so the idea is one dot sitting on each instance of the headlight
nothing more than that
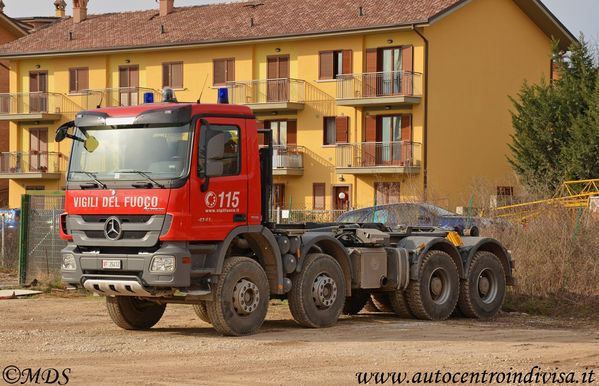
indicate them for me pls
(163, 264)
(68, 263)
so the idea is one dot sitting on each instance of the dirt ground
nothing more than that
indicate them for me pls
(52, 331)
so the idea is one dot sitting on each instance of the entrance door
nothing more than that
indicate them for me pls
(278, 195)
(392, 68)
(394, 135)
(284, 138)
(278, 78)
(128, 85)
(341, 197)
(38, 150)
(38, 87)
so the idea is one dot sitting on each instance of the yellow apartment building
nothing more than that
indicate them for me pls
(383, 101)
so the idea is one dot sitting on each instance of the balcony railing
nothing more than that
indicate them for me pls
(267, 91)
(379, 85)
(32, 164)
(115, 97)
(391, 157)
(287, 160)
(36, 104)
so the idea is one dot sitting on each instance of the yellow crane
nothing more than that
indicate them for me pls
(569, 194)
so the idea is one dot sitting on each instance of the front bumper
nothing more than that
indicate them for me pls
(133, 277)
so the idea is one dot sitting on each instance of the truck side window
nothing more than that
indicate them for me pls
(232, 157)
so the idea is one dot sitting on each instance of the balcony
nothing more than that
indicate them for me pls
(116, 97)
(269, 94)
(376, 89)
(400, 157)
(32, 165)
(35, 106)
(288, 160)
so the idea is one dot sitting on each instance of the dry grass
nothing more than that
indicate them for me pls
(556, 273)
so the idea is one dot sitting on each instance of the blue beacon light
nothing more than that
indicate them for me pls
(223, 95)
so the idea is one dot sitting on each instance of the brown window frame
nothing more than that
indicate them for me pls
(319, 185)
(75, 72)
(167, 73)
(229, 71)
(335, 64)
(339, 121)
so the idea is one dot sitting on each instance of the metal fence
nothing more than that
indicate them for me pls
(39, 254)
(379, 84)
(283, 216)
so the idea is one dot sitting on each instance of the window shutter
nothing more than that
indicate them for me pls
(318, 195)
(407, 53)
(166, 76)
(341, 128)
(292, 132)
(177, 75)
(261, 136)
(83, 79)
(406, 127)
(370, 128)
(134, 76)
(371, 66)
(230, 70)
(326, 65)
(284, 66)
(219, 72)
(123, 77)
(347, 65)
(72, 80)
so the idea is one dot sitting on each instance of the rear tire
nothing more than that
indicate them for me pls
(482, 293)
(202, 312)
(370, 307)
(399, 304)
(317, 296)
(435, 295)
(131, 313)
(355, 302)
(241, 298)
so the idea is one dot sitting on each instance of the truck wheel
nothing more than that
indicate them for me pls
(399, 304)
(240, 298)
(201, 312)
(435, 295)
(482, 293)
(131, 313)
(318, 293)
(381, 302)
(355, 302)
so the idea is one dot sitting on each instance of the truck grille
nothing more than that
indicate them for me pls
(127, 218)
(126, 234)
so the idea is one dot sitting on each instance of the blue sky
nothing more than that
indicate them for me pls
(577, 15)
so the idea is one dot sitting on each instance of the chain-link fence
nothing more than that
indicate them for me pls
(284, 216)
(39, 255)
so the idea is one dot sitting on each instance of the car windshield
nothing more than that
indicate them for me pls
(439, 211)
(352, 216)
(122, 153)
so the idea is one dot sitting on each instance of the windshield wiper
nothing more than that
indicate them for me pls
(92, 176)
(144, 174)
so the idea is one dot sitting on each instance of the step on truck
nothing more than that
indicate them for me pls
(170, 203)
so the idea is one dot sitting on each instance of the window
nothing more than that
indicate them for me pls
(334, 63)
(505, 190)
(335, 130)
(172, 75)
(284, 132)
(38, 149)
(78, 79)
(386, 192)
(224, 71)
(318, 196)
(278, 195)
(232, 156)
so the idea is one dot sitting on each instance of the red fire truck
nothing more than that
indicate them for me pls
(169, 203)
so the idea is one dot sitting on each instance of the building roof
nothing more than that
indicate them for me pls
(230, 22)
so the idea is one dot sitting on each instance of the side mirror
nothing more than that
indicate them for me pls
(63, 131)
(215, 151)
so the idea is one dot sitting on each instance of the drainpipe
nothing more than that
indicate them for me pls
(425, 126)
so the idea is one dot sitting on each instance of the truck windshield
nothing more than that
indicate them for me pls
(159, 152)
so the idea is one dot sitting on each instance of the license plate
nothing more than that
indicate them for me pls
(111, 264)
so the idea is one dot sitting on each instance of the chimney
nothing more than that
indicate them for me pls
(166, 7)
(60, 6)
(79, 10)
(1, 6)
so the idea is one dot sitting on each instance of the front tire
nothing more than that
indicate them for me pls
(241, 298)
(482, 293)
(131, 313)
(317, 296)
(435, 295)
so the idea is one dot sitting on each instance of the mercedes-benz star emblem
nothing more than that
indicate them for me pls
(113, 229)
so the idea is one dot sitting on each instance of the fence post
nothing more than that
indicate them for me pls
(24, 236)
(3, 262)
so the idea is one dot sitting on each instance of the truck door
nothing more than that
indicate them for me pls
(223, 206)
